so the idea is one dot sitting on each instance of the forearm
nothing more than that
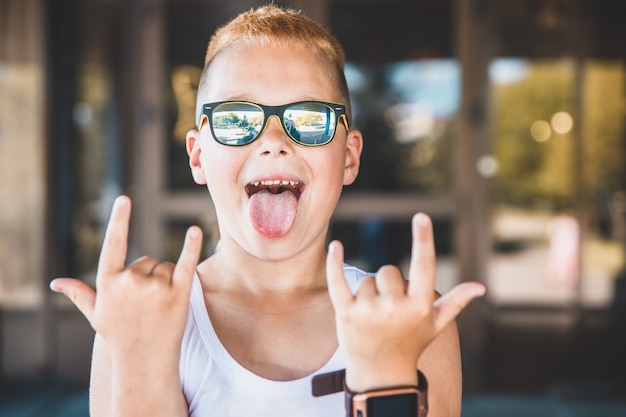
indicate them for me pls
(146, 387)
(441, 364)
(135, 385)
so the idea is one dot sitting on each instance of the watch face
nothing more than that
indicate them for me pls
(400, 405)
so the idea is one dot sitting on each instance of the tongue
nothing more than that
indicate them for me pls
(272, 215)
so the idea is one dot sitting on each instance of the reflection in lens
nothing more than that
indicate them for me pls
(237, 123)
(310, 123)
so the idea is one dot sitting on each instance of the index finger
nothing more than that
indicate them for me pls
(115, 244)
(422, 265)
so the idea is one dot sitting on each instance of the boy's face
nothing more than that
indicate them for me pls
(267, 223)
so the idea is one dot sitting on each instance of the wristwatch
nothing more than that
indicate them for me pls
(405, 401)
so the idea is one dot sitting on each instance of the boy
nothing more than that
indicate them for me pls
(243, 332)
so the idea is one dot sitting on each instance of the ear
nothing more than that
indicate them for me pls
(354, 146)
(192, 142)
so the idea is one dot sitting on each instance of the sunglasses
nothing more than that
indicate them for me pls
(238, 123)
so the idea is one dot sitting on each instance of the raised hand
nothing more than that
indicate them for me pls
(142, 304)
(386, 326)
(139, 313)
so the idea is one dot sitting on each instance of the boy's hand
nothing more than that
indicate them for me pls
(386, 326)
(140, 308)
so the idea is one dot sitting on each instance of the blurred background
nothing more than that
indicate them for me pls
(503, 120)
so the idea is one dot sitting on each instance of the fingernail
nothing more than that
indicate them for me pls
(121, 201)
(194, 232)
(482, 291)
(54, 286)
(422, 219)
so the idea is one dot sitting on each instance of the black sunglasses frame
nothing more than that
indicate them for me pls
(278, 111)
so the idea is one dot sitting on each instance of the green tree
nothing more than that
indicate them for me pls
(532, 170)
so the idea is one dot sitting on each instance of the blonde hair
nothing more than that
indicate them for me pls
(288, 28)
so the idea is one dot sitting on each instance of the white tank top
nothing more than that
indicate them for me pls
(215, 384)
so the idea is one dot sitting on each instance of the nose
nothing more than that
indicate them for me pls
(274, 140)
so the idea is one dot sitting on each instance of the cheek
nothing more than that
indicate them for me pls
(221, 168)
(338, 163)
(331, 172)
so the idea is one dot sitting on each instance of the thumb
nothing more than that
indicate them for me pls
(450, 305)
(79, 293)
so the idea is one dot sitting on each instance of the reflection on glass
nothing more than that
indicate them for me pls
(562, 122)
(22, 189)
(540, 130)
(550, 247)
(98, 166)
(373, 242)
(406, 111)
(239, 123)
(184, 81)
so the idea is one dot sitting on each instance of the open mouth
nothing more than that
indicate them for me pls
(275, 187)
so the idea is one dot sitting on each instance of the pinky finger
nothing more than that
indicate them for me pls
(338, 289)
(189, 257)
(450, 305)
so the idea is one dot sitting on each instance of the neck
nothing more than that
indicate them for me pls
(232, 268)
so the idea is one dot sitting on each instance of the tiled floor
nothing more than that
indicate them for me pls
(57, 399)
(28, 398)
(542, 406)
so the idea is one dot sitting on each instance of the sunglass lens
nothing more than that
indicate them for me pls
(237, 123)
(310, 123)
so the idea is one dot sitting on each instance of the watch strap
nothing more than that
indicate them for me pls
(328, 383)
(333, 382)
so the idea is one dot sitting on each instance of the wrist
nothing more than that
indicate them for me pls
(157, 384)
(369, 377)
(144, 363)
(409, 401)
